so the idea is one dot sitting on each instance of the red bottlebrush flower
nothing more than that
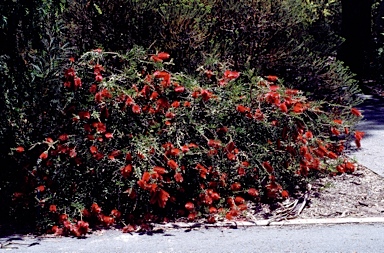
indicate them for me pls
(272, 78)
(108, 135)
(155, 58)
(283, 108)
(165, 76)
(178, 177)
(114, 154)
(268, 167)
(63, 137)
(359, 135)
(129, 101)
(356, 112)
(84, 115)
(100, 127)
(187, 104)
(63, 217)
(77, 82)
(179, 89)
(98, 156)
(40, 188)
(243, 109)
(284, 194)
(72, 153)
(97, 69)
(175, 104)
(192, 145)
(215, 196)
(136, 109)
(98, 78)
(175, 151)
(208, 73)
(236, 186)
(206, 95)
(93, 149)
(338, 121)
(273, 97)
(162, 103)
(308, 135)
(195, 94)
(212, 210)
(230, 202)
(335, 131)
(231, 156)
(128, 157)
(44, 155)
(273, 87)
(69, 73)
(230, 147)
(126, 171)
(160, 196)
(172, 164)
(107, 220)
(190, 206)
(82, 227)
(20, 149)
(349, 167)
(298, 108)
(52, 208)
(185, 149)
(67, 84)
(291, 92)
(116, 213)
(253, 192)
(154, 95)
(163, 56)
(211, 219)
(170, 115)
(239, 200)
(214, 143)
(129, 229)
(231, 75)
(95, 208)
(191, 217)
(93, 89)
(159, 170)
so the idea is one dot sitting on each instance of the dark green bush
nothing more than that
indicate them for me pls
(292, 39)
(137, 143)
(54, 175)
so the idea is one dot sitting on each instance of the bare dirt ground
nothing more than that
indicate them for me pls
(358, 195)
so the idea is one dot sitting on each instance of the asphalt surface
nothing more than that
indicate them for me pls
(294, 238)
(318, 238)
(371, 154)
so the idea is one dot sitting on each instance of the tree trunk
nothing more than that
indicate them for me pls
(356, 30)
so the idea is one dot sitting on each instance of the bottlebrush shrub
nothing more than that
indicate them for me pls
(141, 144)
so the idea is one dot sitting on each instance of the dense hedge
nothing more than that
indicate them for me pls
(136, 143)
(46, 77)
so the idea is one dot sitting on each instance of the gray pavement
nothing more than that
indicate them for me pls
(371, 154)
(318, 238)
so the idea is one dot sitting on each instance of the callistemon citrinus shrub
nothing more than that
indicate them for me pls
(141, 144)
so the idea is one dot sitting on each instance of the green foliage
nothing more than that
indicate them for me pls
(47, 113)
(140, 141)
